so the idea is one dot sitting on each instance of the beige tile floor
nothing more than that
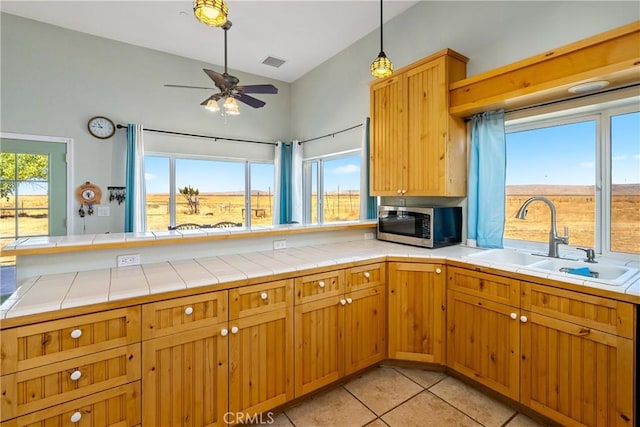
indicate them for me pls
(402, 397)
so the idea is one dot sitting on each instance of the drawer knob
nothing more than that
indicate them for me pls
(343, 301)
(523, 319)
(349, 300)
(438, 270)
(224, 332)
(188, 311)
(514, 316)
(75, 417)
(234, 330)
(366, 274)
(75, 375)
(75, 334)
(321, 283)
(264, 296)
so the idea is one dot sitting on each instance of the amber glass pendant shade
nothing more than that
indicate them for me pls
(211, 12)
(381, 66)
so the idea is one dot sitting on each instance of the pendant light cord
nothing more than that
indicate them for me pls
(381, 49)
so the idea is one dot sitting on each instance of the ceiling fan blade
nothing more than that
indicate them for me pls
(258, 89)
(250, 100)
(217, 78)
(190, 87)
(215, 97)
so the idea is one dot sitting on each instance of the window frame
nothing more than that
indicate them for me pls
(172, 178)
(572, 112)
(307, 191)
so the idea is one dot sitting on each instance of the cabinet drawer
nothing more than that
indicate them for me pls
(318, 286)
(118, 406)
(43, 343)
(599, 313)
(494, 288)
(365, 276)
(182, 314)
(249, 300)
(35, 389)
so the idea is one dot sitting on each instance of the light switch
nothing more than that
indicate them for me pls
(103, 211)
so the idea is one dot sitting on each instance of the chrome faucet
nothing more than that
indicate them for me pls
(554, 239)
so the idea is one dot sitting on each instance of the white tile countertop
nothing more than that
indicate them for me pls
(75, 289)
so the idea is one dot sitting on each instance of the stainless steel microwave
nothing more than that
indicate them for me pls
(427, 227)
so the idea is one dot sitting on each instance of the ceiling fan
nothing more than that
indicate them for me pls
(229, 89)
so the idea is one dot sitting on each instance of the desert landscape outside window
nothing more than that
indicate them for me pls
(565, 160)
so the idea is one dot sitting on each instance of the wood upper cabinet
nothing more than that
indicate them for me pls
(343, 332)
(416, 311)
(417, 148)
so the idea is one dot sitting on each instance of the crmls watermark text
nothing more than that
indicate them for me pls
(245, 418)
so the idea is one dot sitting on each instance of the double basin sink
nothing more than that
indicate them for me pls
(613, 275)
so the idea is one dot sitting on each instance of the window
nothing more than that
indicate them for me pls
(207, 191)
(588, 165)
(332, 189)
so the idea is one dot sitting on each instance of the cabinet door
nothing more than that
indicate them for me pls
(261, 362)
(185, 378)
(576, 375)
(416, 312)
(427, 116)
(365, 328)
(483, 341)
(387, 138)
(319, 343)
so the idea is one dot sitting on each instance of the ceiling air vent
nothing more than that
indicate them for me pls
(273, 61)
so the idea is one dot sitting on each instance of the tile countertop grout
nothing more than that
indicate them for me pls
(75, 289)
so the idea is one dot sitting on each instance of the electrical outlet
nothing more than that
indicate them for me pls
(127, 260)
(368, 236)
(279, 244)
(103, 211)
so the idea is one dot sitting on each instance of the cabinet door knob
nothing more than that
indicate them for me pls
(321, 283)
(75, 417)
(343, 301)
(76, 333)
(264, 296)
(224, 332)
(349, 300)
(234, 330)
(523, 319)
(75, 375)
(514, 316)
(366, 274)
(404, 191)
(188, 311)
(438, 270)
(399, 191)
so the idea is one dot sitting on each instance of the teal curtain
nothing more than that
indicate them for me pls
(286, 193)
(487, 170)
(129, 203)
(371, 201)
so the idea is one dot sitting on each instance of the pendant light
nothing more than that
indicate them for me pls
(211, 12)
(381, 66)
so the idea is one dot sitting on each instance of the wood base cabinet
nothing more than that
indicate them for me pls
(416, 312)
(342, 333)
(566, 355)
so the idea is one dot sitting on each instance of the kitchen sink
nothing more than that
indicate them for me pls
(506, 256)
(610, 274)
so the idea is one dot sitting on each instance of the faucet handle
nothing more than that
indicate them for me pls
(591, 254)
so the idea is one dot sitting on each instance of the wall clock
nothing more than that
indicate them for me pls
(101, 127)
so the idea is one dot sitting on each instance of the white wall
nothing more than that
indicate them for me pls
(335, 95)
(53, 80)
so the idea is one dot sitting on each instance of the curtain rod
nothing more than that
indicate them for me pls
(330, 134)
(215, 138)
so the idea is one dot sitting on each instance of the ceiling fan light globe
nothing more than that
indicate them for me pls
(212, 106)
(231, 106)
(381, 66)
(211, 12)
